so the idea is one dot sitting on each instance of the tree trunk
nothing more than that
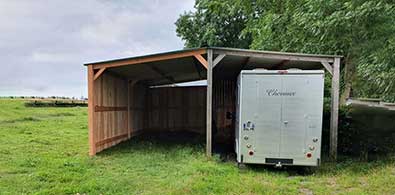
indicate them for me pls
(348, 77)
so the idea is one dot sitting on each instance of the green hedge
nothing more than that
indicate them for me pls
(364, 131)
(55, 103)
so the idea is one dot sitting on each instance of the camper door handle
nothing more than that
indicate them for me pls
(285, 122)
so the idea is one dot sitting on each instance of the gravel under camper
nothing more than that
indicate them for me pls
(279, 117)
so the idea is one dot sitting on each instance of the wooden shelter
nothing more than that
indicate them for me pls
(122, 102)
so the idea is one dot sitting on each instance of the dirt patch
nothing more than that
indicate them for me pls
(305, 191)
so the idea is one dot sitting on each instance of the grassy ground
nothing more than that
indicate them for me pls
(44, 151)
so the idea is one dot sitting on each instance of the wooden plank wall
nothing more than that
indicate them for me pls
(138, 108)
(110, 111)
(224, 100)
(158, 109)
(177, 109)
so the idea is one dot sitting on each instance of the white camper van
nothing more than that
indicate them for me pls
(279, 117)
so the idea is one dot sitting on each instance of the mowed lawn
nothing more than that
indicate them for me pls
(45, 151)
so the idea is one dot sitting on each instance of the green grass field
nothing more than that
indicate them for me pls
(45, 151)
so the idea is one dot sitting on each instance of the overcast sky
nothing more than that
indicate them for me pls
(44, 43)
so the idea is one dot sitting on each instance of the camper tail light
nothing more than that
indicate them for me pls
(309, 155)
(251, 152)
(282, 71)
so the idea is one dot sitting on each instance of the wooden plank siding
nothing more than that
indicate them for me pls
(110, 103)
(150, 109)
(224, 100)
(177, 109)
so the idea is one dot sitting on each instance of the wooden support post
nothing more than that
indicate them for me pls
(334, 110)
(91, 112)
(209, 102)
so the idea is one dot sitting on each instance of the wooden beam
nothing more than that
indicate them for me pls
(157, 70)
(334, 110)
(279, 65)
(110, 108)
(146, 59)
(218, 59)
(111, 139)
(101, 70)
(275, 55)
(91, 119)
(209, 102)
(328, 67)
(201, 60)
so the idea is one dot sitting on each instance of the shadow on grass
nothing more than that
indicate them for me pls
(154, 142)
(174, 142)
(345, 164)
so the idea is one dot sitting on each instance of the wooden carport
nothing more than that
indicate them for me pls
(119, 84)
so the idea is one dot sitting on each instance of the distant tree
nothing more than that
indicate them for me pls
(214, 23)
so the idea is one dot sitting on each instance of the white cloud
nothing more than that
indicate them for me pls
(44, 43)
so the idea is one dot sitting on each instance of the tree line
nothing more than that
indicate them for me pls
(363, 31)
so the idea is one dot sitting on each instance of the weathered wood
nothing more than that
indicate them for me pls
(157, 70)
(245, 63)
(328, 67)
(111, 139)
(131, 113)
(110, 108)
(101, 70)
(196, 64)
(129, 121)
(146, 59)
(177, 108)
(224, 99)
(274, 55)
(209, 102)
(334, 109)
(201, 60)
(218, 59)
(280, 65)
(92, 146)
